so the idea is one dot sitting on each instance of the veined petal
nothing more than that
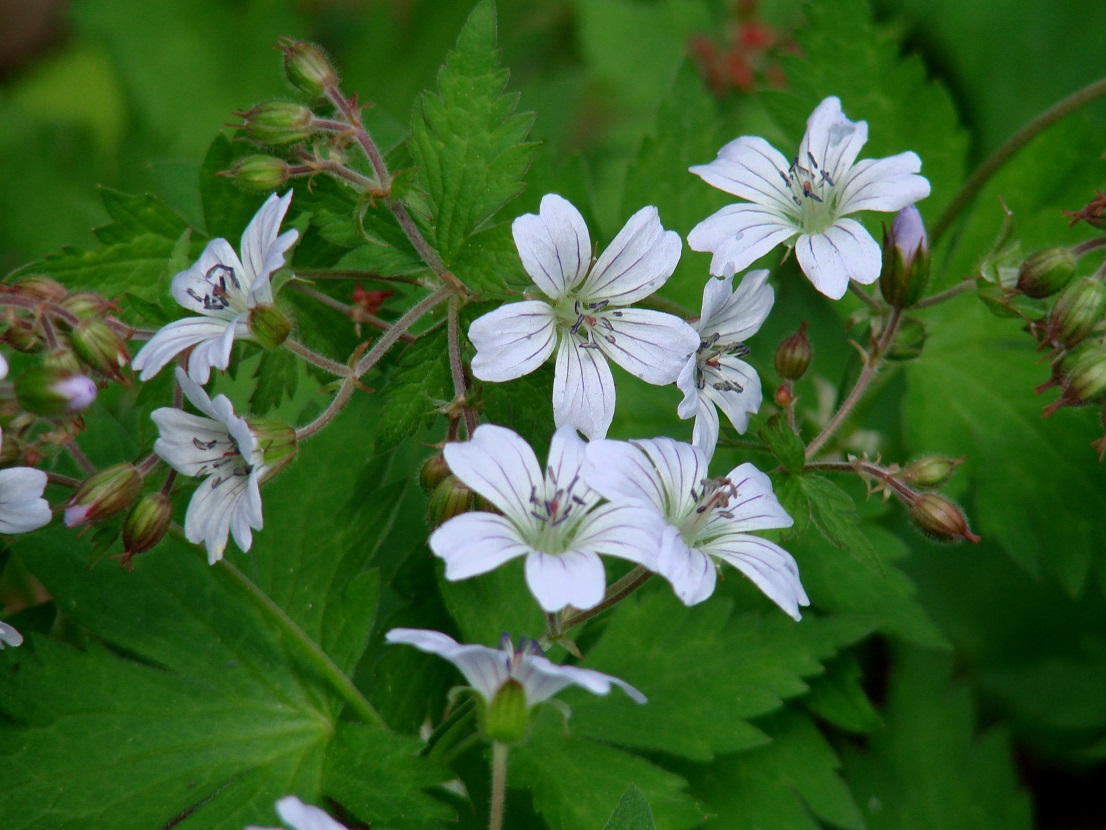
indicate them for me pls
(499, 465)
(263, 250)
(686, 383)
(768, 566)
(565, 465)
(832, 139)
(197, 396)
(182, 437)
(887, 184)
(542, 678)
(621, 471)
(554, 245)
(691, 573)
(751, 168)
(513, 340)
(736, 315)
(626, 530)
(583, 389)
(3, 367)
(720, 388)
(637, 262)
(22, 507)
(651, 345)
(248, 513)
(755, 507)
(738, 235)
(212, 353)
(486, 669)
(475, 543)
(212, 511)
(845, 251)
(704, 433)
(574, 578)
(173, 339)
(9, 636)
(199, 287)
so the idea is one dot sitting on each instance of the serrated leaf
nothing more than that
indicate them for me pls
(277, 375)
(135, 215)
(228, 207)
(632, 812)
(835, 516)
(787, 446)
(838, 696)
(417, 389)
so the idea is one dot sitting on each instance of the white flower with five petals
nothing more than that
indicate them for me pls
(22, 507)
(804, 203)
(221, 449)
(552, 518)
(223, 289)
(707, 521)
(716, 376)
(585, 317)
(300, 816)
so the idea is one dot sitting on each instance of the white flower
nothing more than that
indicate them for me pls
(715, 375)
(488, 669)
(803, 203)
(9, 636)
(22, 507)
(553, 520)
(585, 317)
(222, 448)
(223, 289)
(300, 816)
(707, 520)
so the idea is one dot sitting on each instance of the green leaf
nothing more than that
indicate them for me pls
(135, 215)
(417, 389)
(787, 446)
(277, 375)
(632, 812)
(467, 141)
(228, 207)
(839, 698)
(834, 514)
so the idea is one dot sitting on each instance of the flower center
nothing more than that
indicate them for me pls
(587, 322)
(707, 357)
(223, 459)
(221, 289)
(812, 191)
(557, 513)
(711, 499)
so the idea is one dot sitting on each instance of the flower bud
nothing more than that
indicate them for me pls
(909, 340)
(1082, 377)
(42, 288)
(46, 390)
(507, 715)
(929, 471)
(21, 336)
(905, 271)
(793, 355)
(308, 68)
(260, 172)
(147, 523)
(996, 299)
(86, 304)
(940, 519)
(100, 347)
(450, 498)
(1077, 310)
(277, 442)
(278, 122)
(433, 472)
(104, 494)
(1046, 272)
(11, 452)
(269, 325)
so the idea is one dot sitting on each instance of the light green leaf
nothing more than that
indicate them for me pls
(632, 812)
(839, 698)
(835, 516)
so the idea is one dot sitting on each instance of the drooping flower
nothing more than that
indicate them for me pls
(585, 315)
(223, 450)
(804, 203)
(707, 521)
(300, 816)
(9, 636)
(716, 376)
(22, 507)
(224, 290)
(553, 519)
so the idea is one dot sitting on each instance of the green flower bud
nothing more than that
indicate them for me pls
(450, 498)
(277, 442)
(278, 122)
(42, 288)
(260, 172)
(793, 355)
(54, 392)
(1082, 376)
(1077, 311)
(22, 337)
(11, 452)
(433, 472)
(86, 304)
(104, 494)
(1046, 272)
(930, 471)
(100, 347)
(940, 519)
(905, 271)
(147, 523)
(507, 716)
(909, 340)
(269, 325)
(308, 68)
(996, 299)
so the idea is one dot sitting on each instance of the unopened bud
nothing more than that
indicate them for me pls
(507, 715)
(11, 452)
(940, 519)
(905, 271)
(793, 355)
(909, 340)
(1082, 377)
(278, 122)
(104, 494)
(260, 172)
(269, 325)
(277, 442)
(433, 472)
(100, 347)
(307, 67)
(147, 523)
(86, 304)
(1046, 272)
(42, 288)
(46, 390)
(996, 299)
(450, 498)
(1078, 309)
(22, 337)
(929, 471)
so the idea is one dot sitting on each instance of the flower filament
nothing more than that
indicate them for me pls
(708, 356)
(811, 190)
(553, 511)
(712, 498)
(225, 462)
(217, 297)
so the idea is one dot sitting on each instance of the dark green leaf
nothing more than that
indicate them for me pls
(417, 389)
(632, 812)
(785, 443)
(834, 514)
(838, 696)
(277, 375)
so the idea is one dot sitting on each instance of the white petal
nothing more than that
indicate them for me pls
(573, 578)
(182, 437)
(626, 530)
(9, 636)
(213, 509)
(768, 566)
(174, 339)
(513, 340)
(542, 678)
(637, 262)
(751, 168)
(565, 465)
(475, 543)
(738, 406)
(302, 816)
(499, 465)
(3, 367)
(583, 390)
(191, 286)
(887, 184)
(738, 235)
(681, 469)
(832, 139)
(736, 315)
(691, 572)
(214, 353)
(262, 250)
(22, 507)
(197, 395)
(621, 471)
(704, 433)
(554, 246)
(689, 406)
(486, 669)
(845, 251)
(755, 507)
(651, 345)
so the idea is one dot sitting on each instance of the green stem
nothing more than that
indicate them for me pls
(947, 294)
(308, 647)
(615, 594)
(1013, 144)
(499, 785)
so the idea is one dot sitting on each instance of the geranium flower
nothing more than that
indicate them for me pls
(22, 507)
(585, 316)
(224, 290)
(716, 375)
(707, 521)
(300, 816)
(803, 203)
(552, 519)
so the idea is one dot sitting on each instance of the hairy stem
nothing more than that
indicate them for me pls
(947, 294)
(615, 594)
(316, 359)
(401, 327)
(456, 366)
(499, 785)
(336, 405)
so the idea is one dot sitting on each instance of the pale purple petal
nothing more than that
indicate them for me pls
(573, 578)
(554, 246)
(22, 507)
(681, 469)
(750, 168)
(691, 572)
(736, 315)
(651, 345)
(9, 636)
(198, 396)
(686, 383)
(637, 262)
(768, 566)
(173, 339)
(846, 251)
(565, 466)
(583, 390)
(513, 340)
(738, 235)
(3, 367)
(832, 139)
(499, 465)
(886, 184)
(542, 678)
(486, 669)
(476, 543)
